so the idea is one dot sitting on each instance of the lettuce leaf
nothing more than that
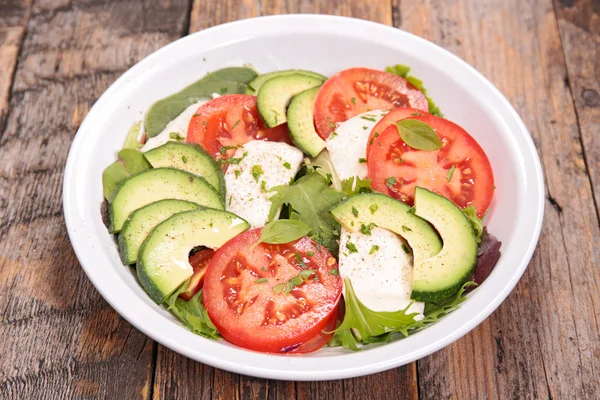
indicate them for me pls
(476, 222)
(362, 325)
(355, 185)
(403, 71)
(192, 314)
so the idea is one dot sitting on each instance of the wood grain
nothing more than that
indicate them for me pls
(59, 338)
(14, 12)
(399, 383)
(543, 342)
(579, 26)
(10, 43)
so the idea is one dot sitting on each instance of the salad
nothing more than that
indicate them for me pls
(287, 211)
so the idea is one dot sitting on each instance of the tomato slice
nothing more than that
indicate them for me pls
(199, 262)
(244, 298)
(358, 90)
(319, 340)
(396, 168)
(231, 120)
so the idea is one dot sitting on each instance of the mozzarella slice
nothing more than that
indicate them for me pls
(347, 146)
(380, 270)
(177, 127)
(261, 161)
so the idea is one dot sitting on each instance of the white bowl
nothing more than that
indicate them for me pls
(323, 44)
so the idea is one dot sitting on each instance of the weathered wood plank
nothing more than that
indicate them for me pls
(14, 12)
(10, 43)
(398, 383)
(543, 342)
(59, 338)
(579, 26)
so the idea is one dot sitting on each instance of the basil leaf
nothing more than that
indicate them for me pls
(283, 231)
(418, 135)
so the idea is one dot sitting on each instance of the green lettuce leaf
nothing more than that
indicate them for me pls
(362, 325)
(311, 199)
(475, 221)
(323, 164)
(192, 314)
(403, 71)
(355, 185)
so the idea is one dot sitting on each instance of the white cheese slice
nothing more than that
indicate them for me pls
(177, 127)
(381, 276)
(347, 146)
(263, 165)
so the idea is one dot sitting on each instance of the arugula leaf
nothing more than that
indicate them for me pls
(362, 325)
(324, 163)
(355, 185)
(418, 134)
(192, 314)
(283, 231)
(311, 198)
(475, 221)
(403, 71)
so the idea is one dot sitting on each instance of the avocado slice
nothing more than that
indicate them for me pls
(257, 82)
(141, 222)
(163, 263)
(224, 81)
(443, 274)
(300, 117)
(276, 93)
(191, 158)
(158, 184)
(392, 215)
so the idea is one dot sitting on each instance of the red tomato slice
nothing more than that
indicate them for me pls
(470, 183)
(390, 118)
(231, 120)
(199, 262)
(319, 340)
(358, 90)
(241, 292)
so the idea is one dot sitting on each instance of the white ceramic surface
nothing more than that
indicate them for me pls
(323, 44)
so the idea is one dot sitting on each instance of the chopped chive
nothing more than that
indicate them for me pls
(306, 273)
(300, 261)
(333, 134)
(257, 171)
(450, 173)
(366, 229)
(354, 211)
(261, 280)
(406, 229)
(405, 248)
(236, 124)
(287, 165)
(237, 173)
(278, 288)
(374, 248)
(369, 118)
(334, 272)
(362, 160)
(331, 125)
(184, 159)
(351, 247)
(310, 253)
(263, 186)
(390, 182)
(264, 269)
(373, 208)
(365, 127)
(353, 100)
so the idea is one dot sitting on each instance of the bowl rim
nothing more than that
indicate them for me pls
(231, 358)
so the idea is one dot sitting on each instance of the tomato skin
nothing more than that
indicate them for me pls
(358, 90)
(254, 316)
(319, 340)
(231, 120)
(199, 262)
(471, 182)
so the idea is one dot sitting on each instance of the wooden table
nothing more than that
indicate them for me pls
(59, 338)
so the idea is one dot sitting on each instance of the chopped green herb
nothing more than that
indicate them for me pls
(390, 182)
(295, 281)
(203, 58)
(411, 211)
(362, 160)
(263, 186)
(230, 198)
(264, 269)
(353, 100)
(406, 229)
(310, 253)
(204, 123)
(374, 248)
(354, 211)
(405, 248)
(287, 165)
(300, 261)
(376, 134)
(365, 128)
(175, 136)
(366, 229)
(197, 115)
(450, 173)
(223, 90)
(184, 159)
(236, 124)
(333, 134)
(373, 208)
(369, 118)
(371, 141)
(331, 125)
(351, 247)
(334, 272)
(257, 171)
(306, 273)
(237, 173)
(278, 288)
(261, 280)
